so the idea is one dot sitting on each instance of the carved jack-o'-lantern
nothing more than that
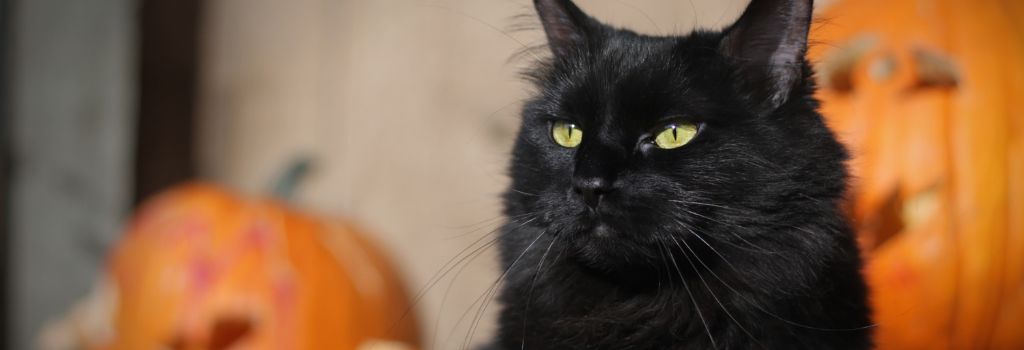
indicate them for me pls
(927, 93)
(200, 268)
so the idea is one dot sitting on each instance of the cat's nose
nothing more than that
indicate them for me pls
(592, 190)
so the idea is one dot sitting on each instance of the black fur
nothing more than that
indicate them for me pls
(734, 241)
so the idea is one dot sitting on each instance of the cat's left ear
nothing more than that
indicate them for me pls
(767, 45)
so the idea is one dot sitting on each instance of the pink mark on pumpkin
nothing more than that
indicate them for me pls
(202, 273)
(285, 296)
(285, 292)
(258, 235)
(192, 229)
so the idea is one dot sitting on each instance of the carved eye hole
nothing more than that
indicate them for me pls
(835, 71)
(930, 68)
(934, 70)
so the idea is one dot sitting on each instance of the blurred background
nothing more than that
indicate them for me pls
(404, 112)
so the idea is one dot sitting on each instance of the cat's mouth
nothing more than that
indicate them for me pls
(595, 224)
(605, 250)
(614, 239)
(602, 230)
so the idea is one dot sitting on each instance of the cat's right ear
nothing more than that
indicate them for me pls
(568, 29)
(768, 44)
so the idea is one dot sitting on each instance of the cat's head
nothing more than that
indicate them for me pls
(634, 142)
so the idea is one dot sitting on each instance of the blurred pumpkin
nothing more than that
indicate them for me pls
(201, 268)
(925, 93)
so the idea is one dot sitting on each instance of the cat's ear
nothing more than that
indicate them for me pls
(567, 27)
(767, 45)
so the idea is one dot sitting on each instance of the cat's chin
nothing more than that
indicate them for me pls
(618, 271)
(606, 250)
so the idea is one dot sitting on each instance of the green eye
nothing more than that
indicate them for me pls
(566, 135)
(675, 135)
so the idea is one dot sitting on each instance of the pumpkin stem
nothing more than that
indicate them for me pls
(293, 175)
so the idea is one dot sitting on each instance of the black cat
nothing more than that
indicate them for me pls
(678, 192)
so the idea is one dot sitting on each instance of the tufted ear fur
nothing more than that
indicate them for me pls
(568, 29)
(767, 45)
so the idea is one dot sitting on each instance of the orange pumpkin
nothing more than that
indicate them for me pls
(926, 94)
(200, 268)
